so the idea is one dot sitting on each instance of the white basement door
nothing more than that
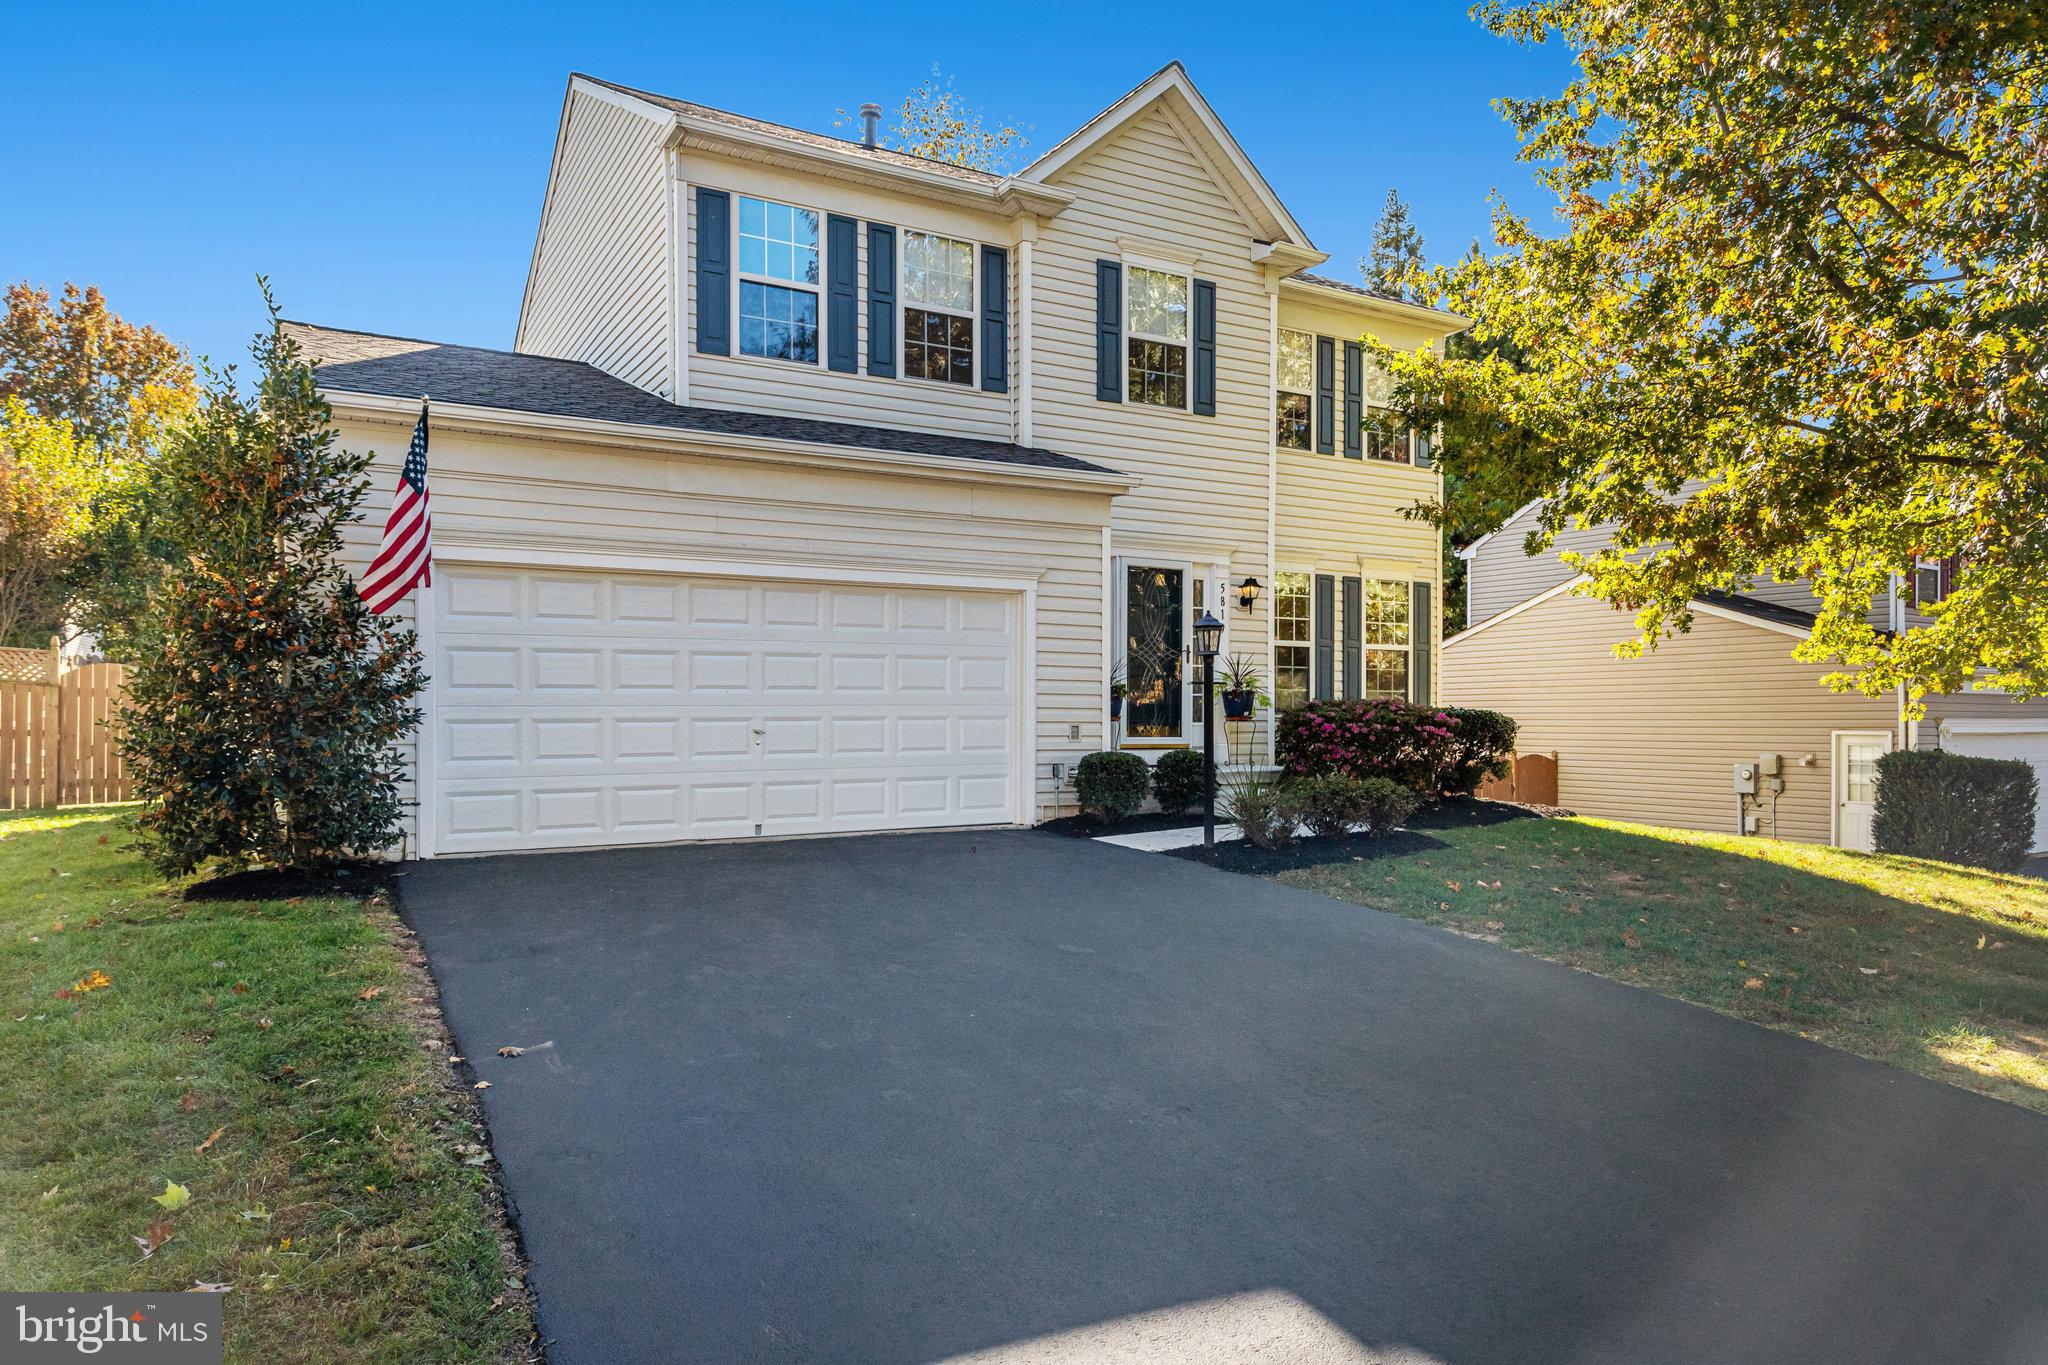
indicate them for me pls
(2031, 746)
(588, 709)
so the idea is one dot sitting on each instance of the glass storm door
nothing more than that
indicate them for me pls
(1155, 620)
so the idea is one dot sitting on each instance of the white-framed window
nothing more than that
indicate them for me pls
(1294, 401)
(1932, 580)
(779, 277)
(1156, 336)
(1386, 633)
(938, 308)
(1293, 639)
(1387, 440)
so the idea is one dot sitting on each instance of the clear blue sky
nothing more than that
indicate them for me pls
(384, 165)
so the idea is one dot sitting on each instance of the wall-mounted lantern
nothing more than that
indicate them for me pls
(1248, 593)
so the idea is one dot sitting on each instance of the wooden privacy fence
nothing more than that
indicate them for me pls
(1532, 781)
(56, 747)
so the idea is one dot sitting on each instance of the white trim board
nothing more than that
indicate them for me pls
(1696, 606)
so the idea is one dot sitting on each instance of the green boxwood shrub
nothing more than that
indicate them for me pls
(1934, 804)
(1427, 749)
(1335, 805)
(1177, 780)
(1111, 784)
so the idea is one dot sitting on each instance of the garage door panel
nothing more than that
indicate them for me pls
(2028, 746)
(575, 709)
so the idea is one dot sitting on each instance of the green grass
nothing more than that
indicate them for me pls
(1938, 969)
(336, 1199)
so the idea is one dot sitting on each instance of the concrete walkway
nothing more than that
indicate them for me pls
(1019, 1097)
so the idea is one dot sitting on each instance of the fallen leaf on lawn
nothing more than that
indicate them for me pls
(240, 987)
(1996, 946)
(188, 1102)
(371, 994)
(1628, 936)
(1980, 943)
(453, 1060)
(481, 1085)
(63, 992)
(211, 1138)
(1755, 983)
(103, 838)
(254, 1215)
(262, 1023)
(218, 964)
(1495, 926)
(1868, 971)
(1455, 887)
(510, 1051)
(1572, 909)
(50, 1193)
(431, 1044)
(208, 1287)
(303, 1084)
(174, 1197)
(153, 1236)
(480, 1159)
(284, 1244)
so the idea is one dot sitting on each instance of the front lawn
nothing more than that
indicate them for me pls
(237, 1093)
(1939, 969)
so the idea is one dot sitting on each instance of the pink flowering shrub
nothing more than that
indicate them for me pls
(1433, 750)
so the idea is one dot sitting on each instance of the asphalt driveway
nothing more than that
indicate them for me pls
(911, 1098)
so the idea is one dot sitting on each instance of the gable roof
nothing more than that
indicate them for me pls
(349, 362)
(1708, 602)
(1272, 221)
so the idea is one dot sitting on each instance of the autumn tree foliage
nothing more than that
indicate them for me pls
(93, 393)
(934, 121)
(1791, 319)
(262, 715)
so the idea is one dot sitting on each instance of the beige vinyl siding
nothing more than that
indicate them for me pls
(754, 384)
(1652, 739)
(519, 494)
(599, 291)
(1203, 491)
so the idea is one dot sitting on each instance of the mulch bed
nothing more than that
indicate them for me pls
(1241, 855)
(1093, 827)
(283, 883)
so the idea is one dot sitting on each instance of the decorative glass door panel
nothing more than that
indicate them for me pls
(1155, 621)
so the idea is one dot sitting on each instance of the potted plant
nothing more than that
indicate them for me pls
(1241, 687)
(1116, 690)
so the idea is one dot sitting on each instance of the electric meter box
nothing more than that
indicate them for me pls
(1745, 778)
(1769, 765)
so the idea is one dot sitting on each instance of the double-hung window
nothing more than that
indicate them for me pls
(1387, 440)
(1293, 640)
(1294, 400)
(1156, 338)
(779, 276)
(938, 308)
(1387, 637)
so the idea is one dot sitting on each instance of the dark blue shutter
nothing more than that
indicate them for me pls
(1421, 631)
(882, 300)
(1353, 602)
(714, 271)
(1109, 331)
(995, 319)
(842, 304)
(1326, 638)
(1354, 402)
(1205, 348)
(1326, 395)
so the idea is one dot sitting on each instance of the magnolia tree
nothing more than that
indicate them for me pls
(1791, 320)
(263, 710)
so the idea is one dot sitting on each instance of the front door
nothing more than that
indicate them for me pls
(1155, 620)
(1856, 755)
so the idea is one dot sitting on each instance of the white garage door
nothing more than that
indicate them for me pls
(590, 709)
(2031, 746)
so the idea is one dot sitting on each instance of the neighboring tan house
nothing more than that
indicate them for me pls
(1656, 739)
(825, 486)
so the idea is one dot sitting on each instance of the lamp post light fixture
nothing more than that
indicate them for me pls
(1208, 639)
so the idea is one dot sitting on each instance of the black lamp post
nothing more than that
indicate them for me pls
(1208, 639)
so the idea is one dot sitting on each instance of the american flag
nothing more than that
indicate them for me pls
(406, 557)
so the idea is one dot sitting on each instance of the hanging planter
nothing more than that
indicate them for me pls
(1241, 694)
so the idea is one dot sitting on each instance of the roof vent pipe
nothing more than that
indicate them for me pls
(870, 115)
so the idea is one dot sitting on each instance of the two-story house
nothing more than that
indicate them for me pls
(1657, 739)
(827, 488)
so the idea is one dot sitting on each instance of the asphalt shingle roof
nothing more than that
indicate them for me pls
(1757, 607)
(400, 367)
(819, 141)
(1327, 283)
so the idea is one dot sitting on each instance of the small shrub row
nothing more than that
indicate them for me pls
(1111, 785)
(1430, 750)
(1934, 804)
(1269, 812)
